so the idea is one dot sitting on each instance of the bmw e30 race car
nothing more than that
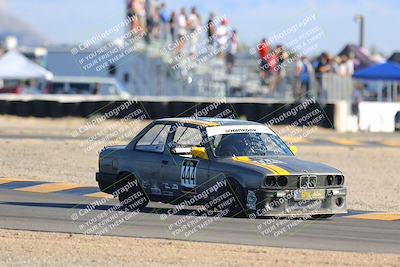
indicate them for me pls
(240, 167)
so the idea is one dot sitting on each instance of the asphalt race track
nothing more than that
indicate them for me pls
(55, 213)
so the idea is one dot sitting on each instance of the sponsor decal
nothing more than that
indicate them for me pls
(268, 161)
(146, 184)
(155, 191)
(188, 173)
(174, 187)
(218, 130)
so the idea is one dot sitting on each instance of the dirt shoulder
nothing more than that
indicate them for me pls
(24, 248)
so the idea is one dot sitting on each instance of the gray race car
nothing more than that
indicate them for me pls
(242, 168)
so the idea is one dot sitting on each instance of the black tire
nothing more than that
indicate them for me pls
(322, 216)
(236, 209)
(134, 198)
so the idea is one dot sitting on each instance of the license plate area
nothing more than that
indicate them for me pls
(311, 194)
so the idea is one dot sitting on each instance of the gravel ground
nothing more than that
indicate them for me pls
(58, 150)
(23, 248)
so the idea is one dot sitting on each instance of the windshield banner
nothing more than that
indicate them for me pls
(233, 129)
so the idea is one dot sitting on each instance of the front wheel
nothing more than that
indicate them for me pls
(130, 194)
(234, 205)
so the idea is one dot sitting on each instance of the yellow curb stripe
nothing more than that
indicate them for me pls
(272, 168)
(345, 142)
(48, 188)
(377, 216)
(11, 180)
(99, 195)
(392, 143)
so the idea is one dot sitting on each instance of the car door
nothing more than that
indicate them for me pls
(149, 155)
(181, 170)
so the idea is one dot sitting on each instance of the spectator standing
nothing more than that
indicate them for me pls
(130, 13)
(182, 30)
(263, 49)
(323, 66)
(164, 21)
(150, 9)
(305, 73)
(222, 36)
(138, 7)
(134, 14)
(350, 64)
(172, 26)
(277, 59)
(156, 22)
(356, 98)
(282, 56)
(193, 25)
(335, 65)
(231, 51)
(297, 83)
(342, 68)
(211, 31)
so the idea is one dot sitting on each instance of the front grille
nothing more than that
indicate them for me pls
(301, 181)
(308, 181)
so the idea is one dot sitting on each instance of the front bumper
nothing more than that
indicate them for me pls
(284, 203)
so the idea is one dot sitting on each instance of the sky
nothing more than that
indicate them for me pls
(73, 21)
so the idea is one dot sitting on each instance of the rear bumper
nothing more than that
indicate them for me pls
(283, 204)
(107, 182)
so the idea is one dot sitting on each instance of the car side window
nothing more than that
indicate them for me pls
(155, 138)
(187, 137)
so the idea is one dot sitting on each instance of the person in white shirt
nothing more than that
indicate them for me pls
(193, 25)
(222, 35)
(182, 23)
(182, 30)
(350, 64)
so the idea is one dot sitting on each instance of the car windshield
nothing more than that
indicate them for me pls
(248, 144)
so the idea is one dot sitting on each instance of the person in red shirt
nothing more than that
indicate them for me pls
(263, 49)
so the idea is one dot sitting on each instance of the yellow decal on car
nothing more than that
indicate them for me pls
(271, 167)
(201, 123)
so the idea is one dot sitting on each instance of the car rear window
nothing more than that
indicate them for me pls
(154, 140)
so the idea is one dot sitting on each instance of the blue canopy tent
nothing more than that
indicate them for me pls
(382, 81)
(386, 71)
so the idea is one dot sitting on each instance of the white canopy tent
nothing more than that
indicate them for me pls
(15, 66)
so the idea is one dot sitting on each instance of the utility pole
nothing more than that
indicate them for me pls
(360, 20)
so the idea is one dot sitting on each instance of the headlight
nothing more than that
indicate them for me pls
(282, 181)
(330, 180)
(270, 181)
(339, 179)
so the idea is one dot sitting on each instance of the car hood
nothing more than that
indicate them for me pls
(287, 165)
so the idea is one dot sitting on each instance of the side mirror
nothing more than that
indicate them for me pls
(199, 152)
(293, 149)
(180, 150)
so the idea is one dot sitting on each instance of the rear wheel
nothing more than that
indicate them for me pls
(130, 194)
